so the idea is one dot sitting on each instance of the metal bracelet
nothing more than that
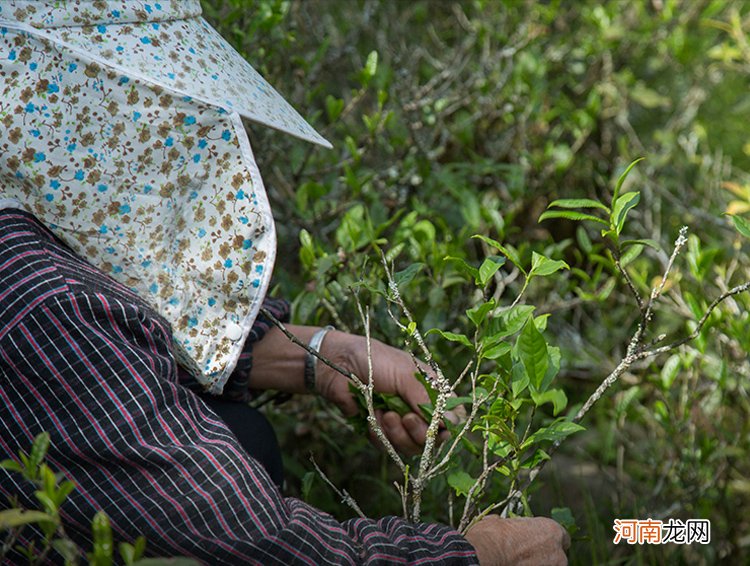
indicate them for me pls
(311, 361)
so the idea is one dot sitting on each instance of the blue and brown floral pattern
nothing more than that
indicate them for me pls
(166, 42)
(154, 186)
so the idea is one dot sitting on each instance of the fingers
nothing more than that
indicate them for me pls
(395, 428)
(551, 536)
(456, 415)
(407, 433)
(416, 427)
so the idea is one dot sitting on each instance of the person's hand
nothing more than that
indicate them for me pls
(393, 372)
(521, 541)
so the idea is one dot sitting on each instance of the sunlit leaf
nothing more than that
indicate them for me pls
(519, 380)
(622, 178)
(630, 254)
(478, 313)
(102, 533)
(12, 518)
(555, 396)
(404, 277)
(11, 466)
(558, 430)
(542, 266)
(577, 203)
(508, 252)
(39, 449)
(489, 267)
(497, 351)
(648, 97)
(570, 215)
(461, 482)
(670, 370)
(510, 321)
(621, 207)
(334, 107)
(452, 336)
(742, 225)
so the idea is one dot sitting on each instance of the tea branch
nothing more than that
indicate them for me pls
(342, 493)
(636, 351)
(364, 388)
(441, 385)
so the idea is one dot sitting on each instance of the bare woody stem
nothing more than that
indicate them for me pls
(636, 351)
(342, 493)
(631, 285)
(367, 389)
(280, 325)
(443, 388)
(696, 332)
(656, 292)
(363, 387)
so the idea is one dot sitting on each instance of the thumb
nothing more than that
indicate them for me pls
(347, 404)
(335, 388)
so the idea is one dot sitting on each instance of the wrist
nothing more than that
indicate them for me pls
(279, 363)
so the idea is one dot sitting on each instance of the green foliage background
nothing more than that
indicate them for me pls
(450, 119)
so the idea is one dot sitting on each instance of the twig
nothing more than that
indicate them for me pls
(656, 292)
(371, 419)
(368, 390)
(342, 493)
(280, 325)
(630, 283)
(520, 294)
(340, 324)
(636, 351)
(476, 403)
(478, 485)
(441, 383)
(695, 333)
(486, 511)
(442, 386)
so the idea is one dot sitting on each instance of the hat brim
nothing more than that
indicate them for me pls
(189, 57)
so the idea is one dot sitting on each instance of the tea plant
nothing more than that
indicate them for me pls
(510, 369)
(479, 114)
(51, 494)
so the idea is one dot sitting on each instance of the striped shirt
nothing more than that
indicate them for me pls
(86, 360)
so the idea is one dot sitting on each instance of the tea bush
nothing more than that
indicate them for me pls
(54, 543)
(477, 118)
(454, 119)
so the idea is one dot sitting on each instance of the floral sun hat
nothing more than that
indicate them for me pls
(121, 130)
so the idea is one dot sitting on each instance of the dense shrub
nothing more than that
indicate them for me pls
(451, 119)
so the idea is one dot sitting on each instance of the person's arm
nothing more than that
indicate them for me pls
(279, 364)
(237, 387)
(99, 375)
